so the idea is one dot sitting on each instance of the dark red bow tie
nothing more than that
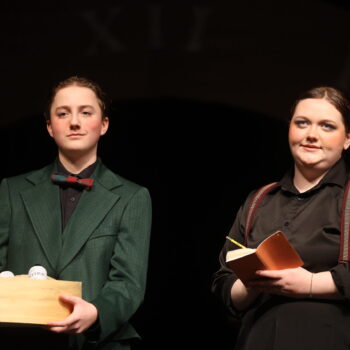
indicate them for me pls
(72, 180)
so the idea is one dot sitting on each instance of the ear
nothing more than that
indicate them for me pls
(105, 125)
(49, 128)
(347, 141)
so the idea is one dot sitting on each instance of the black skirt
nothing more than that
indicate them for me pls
(280, 323)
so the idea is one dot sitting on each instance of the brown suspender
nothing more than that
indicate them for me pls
(344, 251)
(345, 227)
(254, 204)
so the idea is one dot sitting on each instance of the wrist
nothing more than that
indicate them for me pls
(323, 286)
(311, 282)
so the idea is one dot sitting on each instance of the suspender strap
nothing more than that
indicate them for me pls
(344, 252)
(257, 199)
(345, 227)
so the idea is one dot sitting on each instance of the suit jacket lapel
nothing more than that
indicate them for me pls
(93, 206)
(43, 207)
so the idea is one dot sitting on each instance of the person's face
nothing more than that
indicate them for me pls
(76, 121)
(317, 134)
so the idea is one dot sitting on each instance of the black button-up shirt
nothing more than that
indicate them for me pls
(310, 220)
(69, 195)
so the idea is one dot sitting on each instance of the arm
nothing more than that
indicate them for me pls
(341, 277)
(297, 283)
(242, 296)
(225, 283)
(84, 315)
(124, 290)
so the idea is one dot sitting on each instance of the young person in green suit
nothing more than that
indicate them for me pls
(99, 235)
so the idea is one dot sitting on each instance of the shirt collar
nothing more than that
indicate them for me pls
(87, 172)
(337, 175)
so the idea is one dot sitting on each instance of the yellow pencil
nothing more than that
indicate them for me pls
(235, 242)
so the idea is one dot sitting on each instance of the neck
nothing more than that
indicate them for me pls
(76, 164)
(304, 179)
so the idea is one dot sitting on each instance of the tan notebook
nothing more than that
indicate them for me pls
(30, 301)
(273, 253)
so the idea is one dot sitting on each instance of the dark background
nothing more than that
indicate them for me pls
(201, 94)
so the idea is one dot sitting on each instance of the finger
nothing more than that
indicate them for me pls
(265, 284)
(275, 274)
(67, 322)
(69, 299)
(69, 302)
(57, 329)
(64, 330)
(58, 324)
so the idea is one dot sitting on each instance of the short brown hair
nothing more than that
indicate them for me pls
(334, 96)
(83, 82)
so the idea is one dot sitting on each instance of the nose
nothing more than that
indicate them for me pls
(75, 121)
(312, 135)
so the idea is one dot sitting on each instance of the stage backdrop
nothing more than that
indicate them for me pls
(201, 93)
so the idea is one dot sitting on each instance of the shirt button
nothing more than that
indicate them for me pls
(286, 224)
(72, 199)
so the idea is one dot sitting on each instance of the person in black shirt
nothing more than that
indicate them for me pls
(82, 222)
(306, 307)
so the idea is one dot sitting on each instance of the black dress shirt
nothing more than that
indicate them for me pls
(311, 222)
(69, 195)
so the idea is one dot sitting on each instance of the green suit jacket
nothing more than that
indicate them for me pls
(105, 243)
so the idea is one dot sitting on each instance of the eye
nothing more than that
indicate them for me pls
(301, 123)
(86, 113)
(328, 126)
(62, 114)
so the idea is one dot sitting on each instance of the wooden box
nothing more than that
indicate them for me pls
(31, 301)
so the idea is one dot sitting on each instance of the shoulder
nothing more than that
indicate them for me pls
(259, 198)
(29, 178)
(258, 194)
(117, 183)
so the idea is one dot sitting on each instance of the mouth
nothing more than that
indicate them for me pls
(310, 147)
(75, 135)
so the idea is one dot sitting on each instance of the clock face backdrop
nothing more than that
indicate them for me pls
(201, 93)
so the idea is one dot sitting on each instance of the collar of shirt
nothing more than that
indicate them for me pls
(337, 175)
(87, 172)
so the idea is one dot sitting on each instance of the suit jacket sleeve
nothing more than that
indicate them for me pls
(5, 216)
(123, 293)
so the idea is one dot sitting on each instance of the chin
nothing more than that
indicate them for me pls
(73, 151)
(318, 166)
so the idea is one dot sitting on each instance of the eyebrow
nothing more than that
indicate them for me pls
(80, 107)
(322, 120)
(87, 106)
